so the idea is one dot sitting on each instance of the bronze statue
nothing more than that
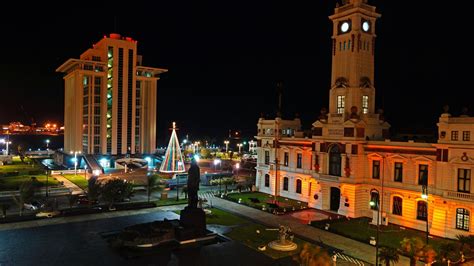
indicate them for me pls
(194, 177)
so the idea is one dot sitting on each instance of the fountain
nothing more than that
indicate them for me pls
(284, 241)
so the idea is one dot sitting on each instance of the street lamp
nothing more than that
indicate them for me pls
(237, 166)
(4, 141)
(375, 204)
(216, 162)
(240, 146)
(47, 144)
(226, 142)
(75, 160)
(424, 195)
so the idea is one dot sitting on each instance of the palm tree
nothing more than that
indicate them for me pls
(412, 248)
(467, 243)
(449, 251)
(4, 206)
(26, 194)
(389, 255)
(153, 185)
(93, 190)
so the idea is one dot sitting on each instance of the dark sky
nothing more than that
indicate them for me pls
(225, 57)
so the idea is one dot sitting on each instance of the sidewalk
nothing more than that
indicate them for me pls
(79, 218)
(76, 190)
(350, 247)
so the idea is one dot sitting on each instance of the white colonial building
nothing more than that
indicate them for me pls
(349, 161)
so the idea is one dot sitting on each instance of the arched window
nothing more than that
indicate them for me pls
(335, 161)
(298, 186)
(267, 180)
(462, 219)
(421, 210)
(285, 183)
(397, 205)
(374, 200)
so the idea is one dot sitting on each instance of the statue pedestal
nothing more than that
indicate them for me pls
(192, 223)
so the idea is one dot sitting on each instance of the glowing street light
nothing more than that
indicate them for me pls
(3, 141)
(226, 142)
(75, 160)
(216, 162)
(240, 147)
(424, 195)
(47, 144)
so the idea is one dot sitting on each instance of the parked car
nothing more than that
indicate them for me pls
(84, 200)
(178, 180)
(38, 204)
(29, 206)
(47, 214)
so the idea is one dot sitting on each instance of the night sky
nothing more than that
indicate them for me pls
(225, 58)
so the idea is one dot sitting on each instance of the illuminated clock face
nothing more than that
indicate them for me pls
(366, 26)
(345, 26)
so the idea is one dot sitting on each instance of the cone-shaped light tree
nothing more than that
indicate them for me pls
(173, 161)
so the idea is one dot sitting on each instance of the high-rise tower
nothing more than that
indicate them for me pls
(352, 93)
(110, 100)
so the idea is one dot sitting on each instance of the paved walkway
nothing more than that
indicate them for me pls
(76, 190)
(78, 218)
(350, 247)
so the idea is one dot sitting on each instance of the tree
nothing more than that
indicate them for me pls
(184, 191)
(389, 255)
(4, 206)
(415, 249)
(310, 256)
(449, 251)
(116, 190)
(72, 199)
(153, 185)
(93, 190)
(223, 181)
(205, 153)
(21, 153)
(26, 194)
(467, 243)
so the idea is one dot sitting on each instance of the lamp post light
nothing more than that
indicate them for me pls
(240, 147)
(75, 160)
(47, 183)
(375, 204)
(424, 195)
(216, 162)
(7, 143)
(226, 142)
(237, 167)
(47, 144)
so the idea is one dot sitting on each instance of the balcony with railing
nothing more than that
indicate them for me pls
(458, 195)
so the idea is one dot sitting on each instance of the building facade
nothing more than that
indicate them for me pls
(110, 100)
(349, 165)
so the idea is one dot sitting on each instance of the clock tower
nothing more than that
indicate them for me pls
(352, 93)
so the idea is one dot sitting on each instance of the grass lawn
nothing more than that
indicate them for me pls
(170, 201)
(391, 235)
(14, 182)
(79, 180)
(22, 168)
(245, 232)
(222, 218)
(286, 203)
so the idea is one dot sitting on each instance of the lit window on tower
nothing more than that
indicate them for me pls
(365, 104)
(340, 104)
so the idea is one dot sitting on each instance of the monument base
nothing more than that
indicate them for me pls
(192, 223)
(286, 246)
